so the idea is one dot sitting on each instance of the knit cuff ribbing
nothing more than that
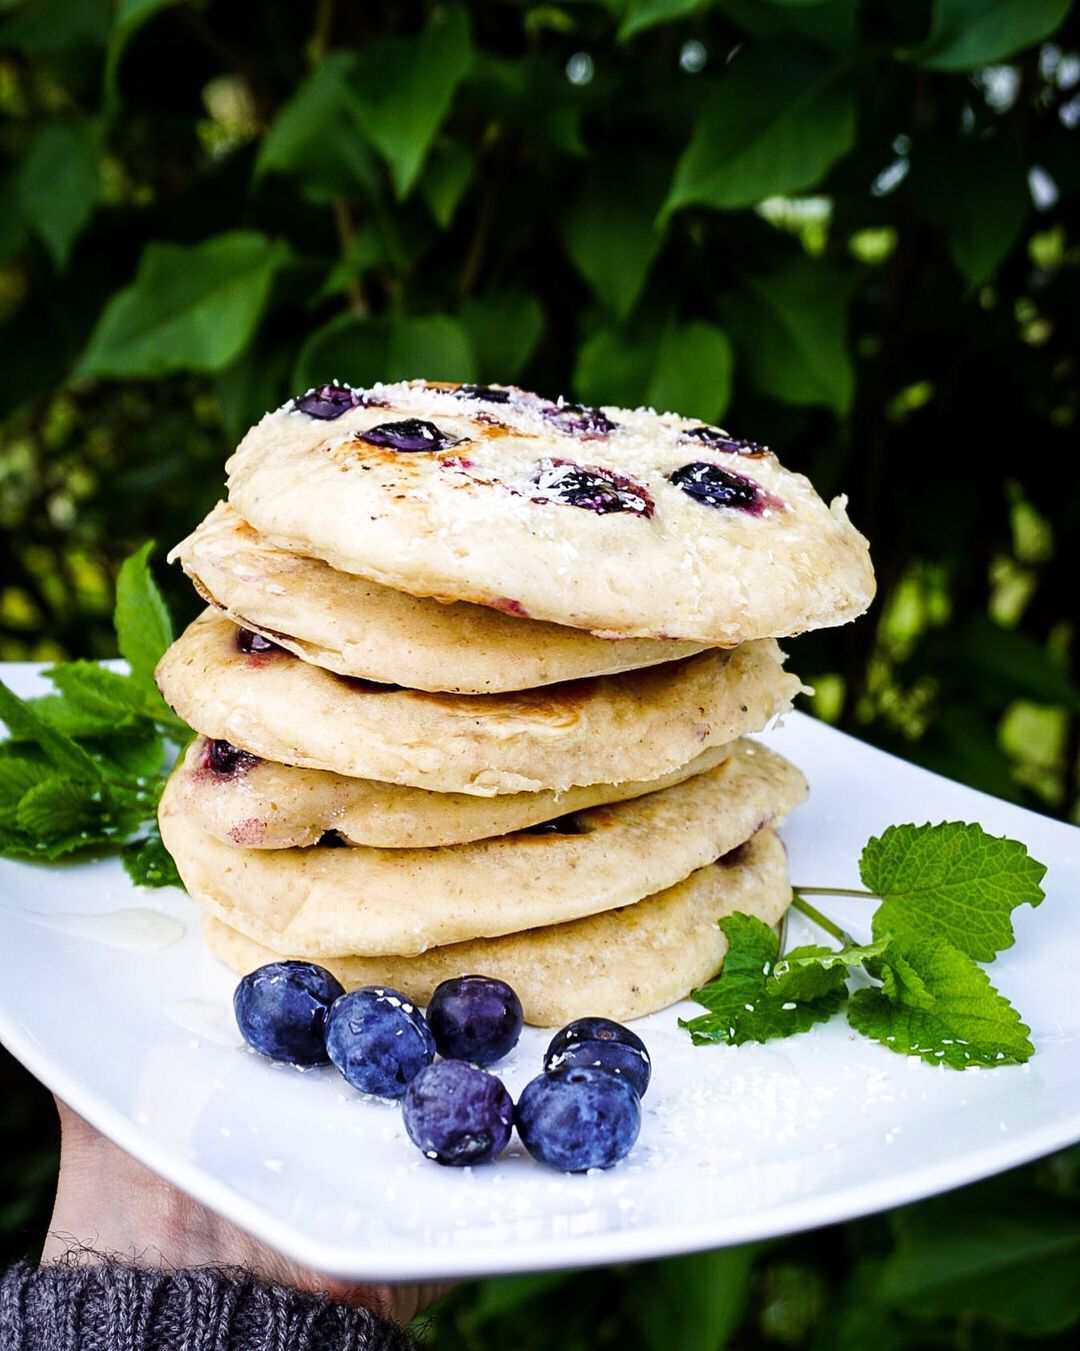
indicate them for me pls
(117, 1307)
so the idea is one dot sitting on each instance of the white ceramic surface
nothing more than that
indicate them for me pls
(737, 1143)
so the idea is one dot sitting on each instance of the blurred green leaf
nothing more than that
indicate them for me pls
(502, 1296)
(829, 24)
(642, 14)
(504, 328)
(128, 17)
(777, 120)
(403, 90)
(612, 236)
(143, 626)
(346, 348)
(446, 176)
(316, 136)
(684, 368)
(52, 26)
(987, 1253)
(433, 346)
(695, 1303)
(982, 223)
(57, 185)
(969, 33)
(189, 307)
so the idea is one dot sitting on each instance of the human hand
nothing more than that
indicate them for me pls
(109, 1206)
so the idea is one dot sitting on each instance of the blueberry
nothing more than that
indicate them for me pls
(591, 487)
(574, 1119)
(717, 487)
(560, 825)
(410, 434)
(328, 402)
(475, 1018)
(458, 1114)
(717, 439)
(577, 420)
(226, 759)
(379, 1040)
(250, 642)
(281, 1011)
(485, 393)
(601, 1042)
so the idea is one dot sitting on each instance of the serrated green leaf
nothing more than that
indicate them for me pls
(24, 723)
(778, 119)
(136, 753)
(189, 307)
(105, 696)
(900, 981)
(952, 881)
(401, 115)
(969, 33)
(504, 328)
(57, 185)
(685, 368)
(143, 627)
(17, 777)
(60, 809)
(744, 1002)
(149, 864)
(967, 1023)
(806, 973)
(61, 714)
(791, 331)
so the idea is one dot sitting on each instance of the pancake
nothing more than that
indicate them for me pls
(329, 902)
(263, 805)
(620, 964)
(611, 729)
(345, 624)
(626, 523)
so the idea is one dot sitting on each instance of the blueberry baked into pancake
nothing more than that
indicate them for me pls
(475, 686)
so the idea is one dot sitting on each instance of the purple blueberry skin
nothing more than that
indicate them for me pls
(717, 487)
(282, 1009)
(410, 434)
(484, 393)
(379, 1040)
(576, 1119)
(251, 643)
(228, 760)
(329, 401)
(475, 1018)
(594, 489)
(577, 420)
(720, 440)
(458, 1115)
(604, 1043)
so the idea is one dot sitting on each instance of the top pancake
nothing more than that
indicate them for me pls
(552, 512)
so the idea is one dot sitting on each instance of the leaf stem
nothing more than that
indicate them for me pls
(835, 891)
(823, 921)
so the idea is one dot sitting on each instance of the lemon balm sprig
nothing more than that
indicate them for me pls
(945, 896)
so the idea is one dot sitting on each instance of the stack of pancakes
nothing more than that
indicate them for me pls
(473, 686)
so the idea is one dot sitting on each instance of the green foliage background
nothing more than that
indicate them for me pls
(848, 229)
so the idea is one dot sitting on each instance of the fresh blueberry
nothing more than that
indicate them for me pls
(591, 487)
(458, 1114)
(600, 1043)
(717, 439)
(718, 487)
(379, 1040)
(485, 393)
(226, 759)
(281, 1011)
(328, 402)
(252, 643)
(475, 1018)
(410, 434)
(570, 824)
(577, 420)
(574, 1119)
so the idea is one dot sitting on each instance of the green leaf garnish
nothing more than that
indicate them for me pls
(951, 881)
(756, 998)
(149, 864)
(950, 1015)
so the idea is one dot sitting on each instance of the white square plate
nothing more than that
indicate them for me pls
(737, 1143)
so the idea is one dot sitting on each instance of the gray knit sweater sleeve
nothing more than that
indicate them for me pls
(115, 1307)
